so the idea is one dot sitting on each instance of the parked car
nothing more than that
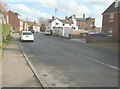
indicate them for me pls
(26, 36)
(31, 30)
(96, 34)
(47, 32)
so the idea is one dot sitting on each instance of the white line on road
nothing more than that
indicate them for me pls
(99, 62)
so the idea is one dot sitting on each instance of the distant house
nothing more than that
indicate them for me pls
(89, 23)
(36, 28)
(15, 20)
(61, 27)
(44, 26)
(80, 23)
(55, 23)
(111, 20)
(83, 23)
(73, 19)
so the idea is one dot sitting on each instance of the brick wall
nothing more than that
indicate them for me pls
(114, 25)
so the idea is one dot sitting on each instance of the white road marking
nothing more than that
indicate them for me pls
(99, 62)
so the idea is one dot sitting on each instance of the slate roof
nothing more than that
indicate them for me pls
(111, 9)
(67, 22)
(50, 20)
(64, 21)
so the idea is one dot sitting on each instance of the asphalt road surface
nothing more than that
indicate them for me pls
(65, 63)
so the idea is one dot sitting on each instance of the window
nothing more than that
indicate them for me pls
(27, 33)
(57, 23)
(111, 17)
(110, 32)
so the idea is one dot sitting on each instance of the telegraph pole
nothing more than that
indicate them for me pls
(55, 19)
(118, 21)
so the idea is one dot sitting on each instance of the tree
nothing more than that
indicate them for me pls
(42, 20)
(3, 7)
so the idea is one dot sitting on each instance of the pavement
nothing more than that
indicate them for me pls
(15, 70)
(0, 68)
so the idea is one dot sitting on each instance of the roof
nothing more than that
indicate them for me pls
(79, 19)
(36, 25)
(50, 20)
(67, 22)
(16, 13)
(111, 9)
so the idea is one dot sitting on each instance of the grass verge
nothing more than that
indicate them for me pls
(5, 42)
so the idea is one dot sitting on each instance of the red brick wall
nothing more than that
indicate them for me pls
(114, 25)
(14, 21)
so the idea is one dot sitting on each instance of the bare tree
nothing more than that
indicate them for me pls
(3, 7)
(42, 21)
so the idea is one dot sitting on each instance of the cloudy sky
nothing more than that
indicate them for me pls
(34, 9)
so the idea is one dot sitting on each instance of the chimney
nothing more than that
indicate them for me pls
(66, 18)
(117, 3)
(74, 16)
(83, 16)
(53, 17)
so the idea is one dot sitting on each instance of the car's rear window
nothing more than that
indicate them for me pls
(27, 33)
(47, 30)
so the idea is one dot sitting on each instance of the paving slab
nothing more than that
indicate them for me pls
(15, 70)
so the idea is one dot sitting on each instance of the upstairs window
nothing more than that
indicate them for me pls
(110, 32)
(111, 18)
(57, 23)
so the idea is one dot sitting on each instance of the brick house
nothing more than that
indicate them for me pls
(14, 19)
(84, 23)
(111, 20)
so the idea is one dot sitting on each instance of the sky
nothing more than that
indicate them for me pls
(35, 9)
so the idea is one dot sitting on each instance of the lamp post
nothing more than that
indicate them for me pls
(55, 19)
(119, 21)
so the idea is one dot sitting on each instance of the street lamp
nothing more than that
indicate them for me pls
(119, 21)
(55, 19)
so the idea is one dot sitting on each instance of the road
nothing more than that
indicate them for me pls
(65, 63)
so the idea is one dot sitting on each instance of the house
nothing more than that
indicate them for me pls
(111, 20)
(85, 23)
(44, 26)
(62, 27)
(55, 25)
(73, 18)
(36, 28)
(68, 27)
(15, 20)
(89, 23)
